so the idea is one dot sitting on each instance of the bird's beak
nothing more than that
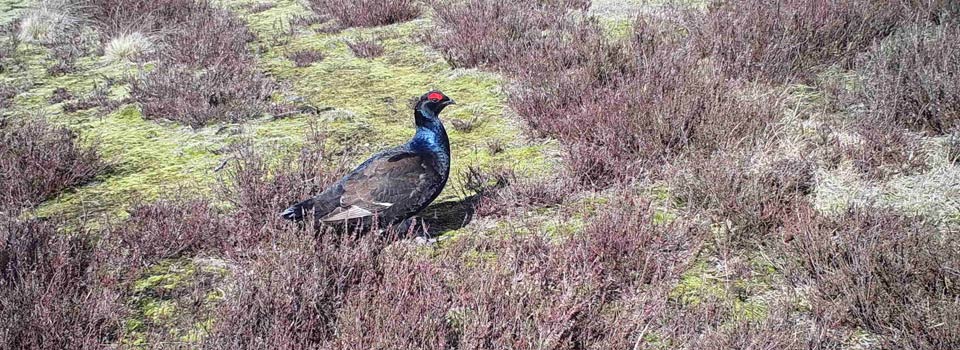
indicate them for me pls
(450, 102)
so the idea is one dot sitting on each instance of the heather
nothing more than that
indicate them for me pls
(39, 160)
(367, 13)
(203, 73)
(52, 295)
(909, 79)
(796, 38)
(640, 175)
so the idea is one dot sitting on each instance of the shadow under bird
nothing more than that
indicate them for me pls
(392, 185)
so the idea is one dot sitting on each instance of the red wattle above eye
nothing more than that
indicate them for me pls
(434, 96)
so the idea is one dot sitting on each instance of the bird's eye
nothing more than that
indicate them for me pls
(435, 96)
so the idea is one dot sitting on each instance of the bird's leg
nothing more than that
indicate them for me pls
(406, 226)
(423, 238)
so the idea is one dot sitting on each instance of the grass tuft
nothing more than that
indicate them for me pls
(47, 22)
(127, 48)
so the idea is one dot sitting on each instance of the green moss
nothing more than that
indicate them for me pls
(158, 311)
(701, 283)
(750, 310)
(150, 160)
(617, 27)
(695, 284)
(663, 217)
(561, 228)
(162, 303)
(133, 330)
(197, 332)
(474, 258)
(165, 276)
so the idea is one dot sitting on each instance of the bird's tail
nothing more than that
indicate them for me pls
(297, 211)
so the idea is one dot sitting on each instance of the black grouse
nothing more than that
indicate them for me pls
(393, 185)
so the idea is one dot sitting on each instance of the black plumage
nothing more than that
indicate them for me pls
(392, 185)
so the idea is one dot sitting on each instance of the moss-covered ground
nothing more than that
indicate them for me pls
(365, 104)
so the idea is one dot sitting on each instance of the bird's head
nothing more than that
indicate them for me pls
(434, 101)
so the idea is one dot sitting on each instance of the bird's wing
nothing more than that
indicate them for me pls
(387, 181)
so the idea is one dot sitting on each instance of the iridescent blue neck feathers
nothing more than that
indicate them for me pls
(431, 134)
(431, 137)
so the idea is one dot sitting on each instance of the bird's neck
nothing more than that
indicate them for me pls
(431, 136)
(430, 133)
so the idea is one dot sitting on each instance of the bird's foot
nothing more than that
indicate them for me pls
(421, 240)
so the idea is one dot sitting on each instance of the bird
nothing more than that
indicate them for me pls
(393, 185)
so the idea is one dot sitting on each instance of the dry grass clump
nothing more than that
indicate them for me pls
(59, 26)
(367, 13)
(48, 21)
(39, 160)
(884, 273)
(127, 47)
